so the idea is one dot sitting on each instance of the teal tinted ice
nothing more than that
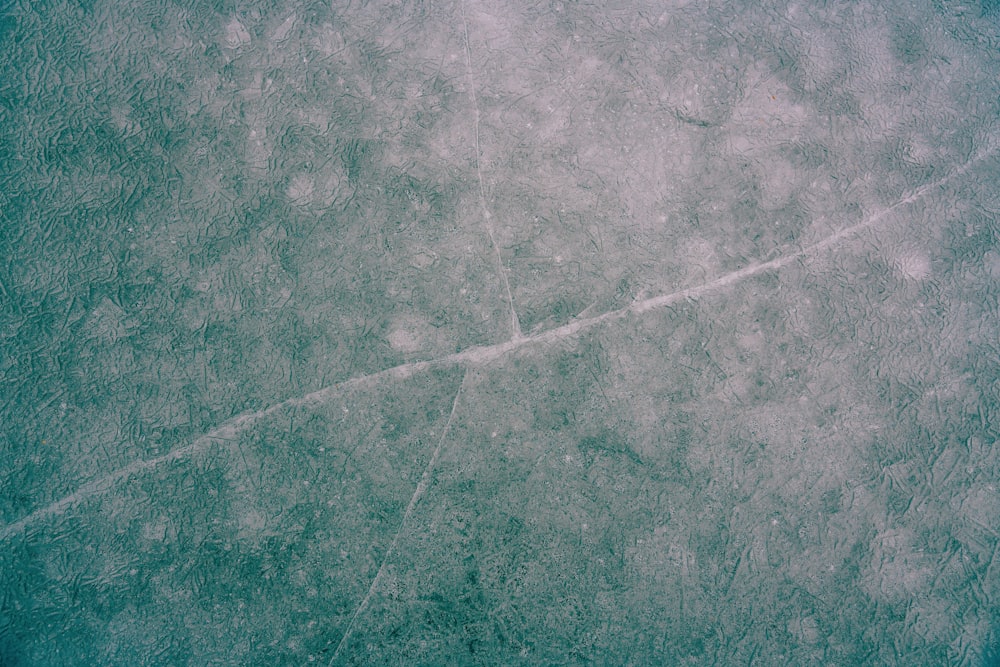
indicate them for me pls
(457, 333)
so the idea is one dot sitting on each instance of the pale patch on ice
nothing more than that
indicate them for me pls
(779, 182)
(405, 341)
(700, 257)
(252, 520)
(155, 531)
(300, 190)
(899, 569)
(258, 148)
(410, 333)
(992, 262)
(106, 322)
(283, 30)
(128, 126)
(328, 41)
(920, 151)
(913, 265)
(236, 34)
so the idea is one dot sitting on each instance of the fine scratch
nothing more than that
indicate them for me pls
(425, 480)
(515, 324)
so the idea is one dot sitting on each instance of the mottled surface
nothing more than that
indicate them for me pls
(457, 333)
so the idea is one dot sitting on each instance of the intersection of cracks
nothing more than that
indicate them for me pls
(473, 356)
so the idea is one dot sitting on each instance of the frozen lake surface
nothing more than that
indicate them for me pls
(455, 333)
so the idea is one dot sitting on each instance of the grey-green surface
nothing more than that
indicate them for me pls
(446, 333)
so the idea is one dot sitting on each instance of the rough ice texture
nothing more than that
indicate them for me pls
(459, 333)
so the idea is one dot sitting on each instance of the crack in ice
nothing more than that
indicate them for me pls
(425, 480)
(479, 355)
(515, 324)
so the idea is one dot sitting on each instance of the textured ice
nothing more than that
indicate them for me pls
(464, 333)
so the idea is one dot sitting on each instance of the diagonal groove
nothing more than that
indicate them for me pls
(478, 355)
(425, 480)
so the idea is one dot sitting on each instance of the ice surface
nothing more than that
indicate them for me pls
(465, 333)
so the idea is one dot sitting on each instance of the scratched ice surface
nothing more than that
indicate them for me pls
(499, 333)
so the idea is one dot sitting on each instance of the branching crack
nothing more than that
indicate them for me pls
(228, 431)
